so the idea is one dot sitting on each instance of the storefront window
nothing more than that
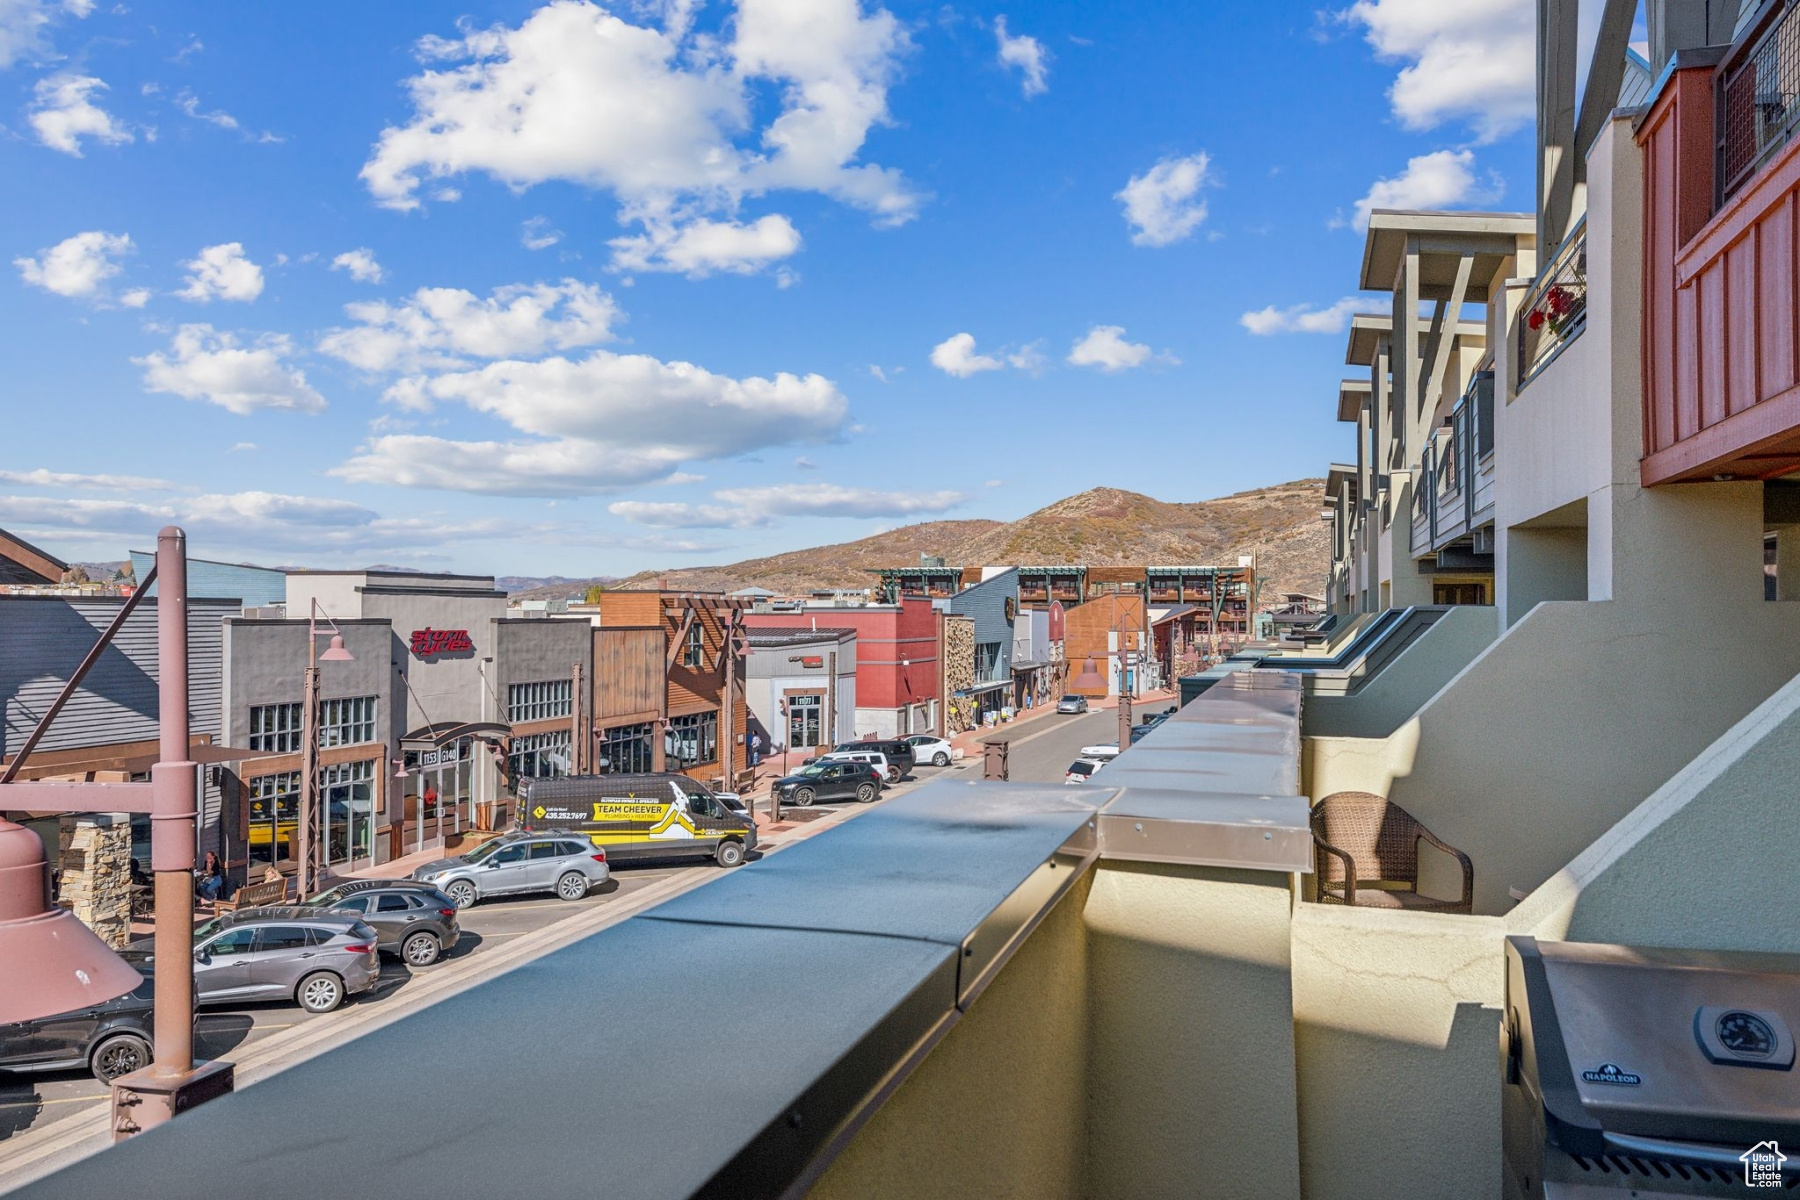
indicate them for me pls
(275, 727)
(274, 818)
(691, 740)
(539, 755)
(805, 716)
(347, 793)
(539, 701)
(628, 748)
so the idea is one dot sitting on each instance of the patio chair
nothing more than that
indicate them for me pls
(1363, 845)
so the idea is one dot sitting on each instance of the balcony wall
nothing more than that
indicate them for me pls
(1385, 702)
(1721, 369)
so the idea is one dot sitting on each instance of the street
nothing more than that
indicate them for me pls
(48, 1120)
(1043, 748)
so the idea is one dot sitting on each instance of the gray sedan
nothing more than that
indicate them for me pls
(565, 863)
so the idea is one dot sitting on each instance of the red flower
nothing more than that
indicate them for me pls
(1560, 300)
(1535, 321)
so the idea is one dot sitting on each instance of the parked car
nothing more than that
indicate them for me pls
(829, 781)
(928, 747)
(1102, 752)
(1072, 704)
(415, 922)
(898, 752)
(281, 952)
(555, 861)
(885, 770)
(1140, 730)
(641, 817)
(1082, 770)
(110, 1039)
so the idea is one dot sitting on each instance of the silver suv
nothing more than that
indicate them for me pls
(551, 861)
(313, 958)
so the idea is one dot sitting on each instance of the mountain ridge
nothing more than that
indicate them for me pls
(1100, 526)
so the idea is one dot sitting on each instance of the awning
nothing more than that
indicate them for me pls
(205, 755)
(982, 688)
(442, 733)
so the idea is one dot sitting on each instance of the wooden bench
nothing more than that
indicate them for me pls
(254, 895)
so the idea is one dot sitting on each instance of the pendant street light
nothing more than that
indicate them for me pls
(55, 963)
(307, 869)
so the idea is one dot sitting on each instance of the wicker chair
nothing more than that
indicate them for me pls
(1361, 840)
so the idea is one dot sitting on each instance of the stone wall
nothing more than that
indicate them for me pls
(959, 672)
(96, 873)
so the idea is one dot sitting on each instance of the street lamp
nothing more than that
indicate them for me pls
(307, 871)
(56, 964)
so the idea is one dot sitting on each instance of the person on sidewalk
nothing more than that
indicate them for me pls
(209, 879)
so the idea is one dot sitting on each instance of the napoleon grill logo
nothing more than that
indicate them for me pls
(1610, 1073)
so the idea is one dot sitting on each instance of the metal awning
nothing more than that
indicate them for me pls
(442, 733)
(979, 688)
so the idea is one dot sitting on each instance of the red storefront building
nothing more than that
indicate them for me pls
(899, 685)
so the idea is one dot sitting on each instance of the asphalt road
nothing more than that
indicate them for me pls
(1043, 748)
(30, 1101)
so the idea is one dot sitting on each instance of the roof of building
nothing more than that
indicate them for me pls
(764, 635)
(1352, 395)
(1443, 238)
(22, 562)
(1368, 329)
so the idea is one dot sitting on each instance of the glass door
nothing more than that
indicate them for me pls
(347, 792)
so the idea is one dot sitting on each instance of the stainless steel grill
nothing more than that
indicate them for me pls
(1648, 1072)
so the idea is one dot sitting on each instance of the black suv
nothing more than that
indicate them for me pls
(413, 921)
(110, 1039)
(829, 781)
(898, 751)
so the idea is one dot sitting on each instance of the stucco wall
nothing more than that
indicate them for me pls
(1562, 726)
(1706, 862)
(1191, 1051)
(1396, 1019)
(1384, 703)
(539, 650)
(998, 1108)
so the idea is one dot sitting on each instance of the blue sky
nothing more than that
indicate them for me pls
(585, 289)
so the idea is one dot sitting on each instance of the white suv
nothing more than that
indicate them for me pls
(889, 772)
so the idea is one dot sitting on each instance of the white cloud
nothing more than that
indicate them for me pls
(361, 264)
(1027, 55)
(79, 266)
(666, 119)
(203, 364)
(106, 483)
(1105, 347)
(189, 103)
(955, 355)
(447, 327)
(1474, 60)
(135, 297)
(241, 447)
(64, 112)
(24, 25)
(1164, 204)
(1304, 318)
(538, 234)
(701, 246)
(222, 272)
(1441, 179)
(259, 524)
(833, 500)
(606, 422)
(758, 507)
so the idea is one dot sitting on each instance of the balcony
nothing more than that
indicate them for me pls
(1555, 310)
(1454, 495)
(1721, 177)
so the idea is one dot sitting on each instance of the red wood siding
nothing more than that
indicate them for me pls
(1721, 369)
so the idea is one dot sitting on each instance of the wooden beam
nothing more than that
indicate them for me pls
(1606, 70)
(676, 642)
(58, 796)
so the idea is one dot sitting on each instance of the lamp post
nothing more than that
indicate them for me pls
(173, 1082)
(307, 870)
